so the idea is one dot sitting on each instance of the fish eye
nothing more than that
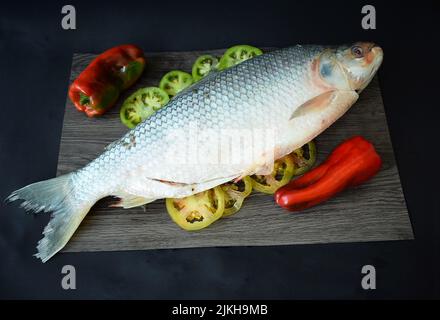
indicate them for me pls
(357, 51)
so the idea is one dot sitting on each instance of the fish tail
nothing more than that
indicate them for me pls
(59, 196)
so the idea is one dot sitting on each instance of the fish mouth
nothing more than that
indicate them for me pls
(374, 58)
(377, 50)
(377, 56)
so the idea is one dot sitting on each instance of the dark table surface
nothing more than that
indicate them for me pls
(35, 57)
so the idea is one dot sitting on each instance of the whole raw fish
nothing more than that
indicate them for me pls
(289, 95)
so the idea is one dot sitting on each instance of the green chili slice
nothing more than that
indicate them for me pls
(203, 66)
(175, 81)
(235, 193)
(142, 104)
(236, 55)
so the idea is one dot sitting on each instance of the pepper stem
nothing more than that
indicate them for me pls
(83, 99)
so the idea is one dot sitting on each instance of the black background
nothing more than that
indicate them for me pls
(35, 58)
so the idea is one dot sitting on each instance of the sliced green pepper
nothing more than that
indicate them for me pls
(203, 65)
(175, 81)
(142, 104)
(236, 55)
(283, 171)
(235, 193)
(304, 158)
(197, 211)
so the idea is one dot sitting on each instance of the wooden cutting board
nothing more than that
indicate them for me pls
(375, 211)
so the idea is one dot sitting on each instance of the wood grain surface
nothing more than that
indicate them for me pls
(375, 211)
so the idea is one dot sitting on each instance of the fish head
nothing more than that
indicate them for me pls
(350, 67)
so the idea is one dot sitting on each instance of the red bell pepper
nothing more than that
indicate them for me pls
(98, 87)
(352, 163)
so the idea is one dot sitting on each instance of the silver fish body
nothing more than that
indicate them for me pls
(257, 94)
(291, 95)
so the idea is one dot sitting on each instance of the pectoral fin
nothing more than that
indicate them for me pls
(313, 117)
(328, 99)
